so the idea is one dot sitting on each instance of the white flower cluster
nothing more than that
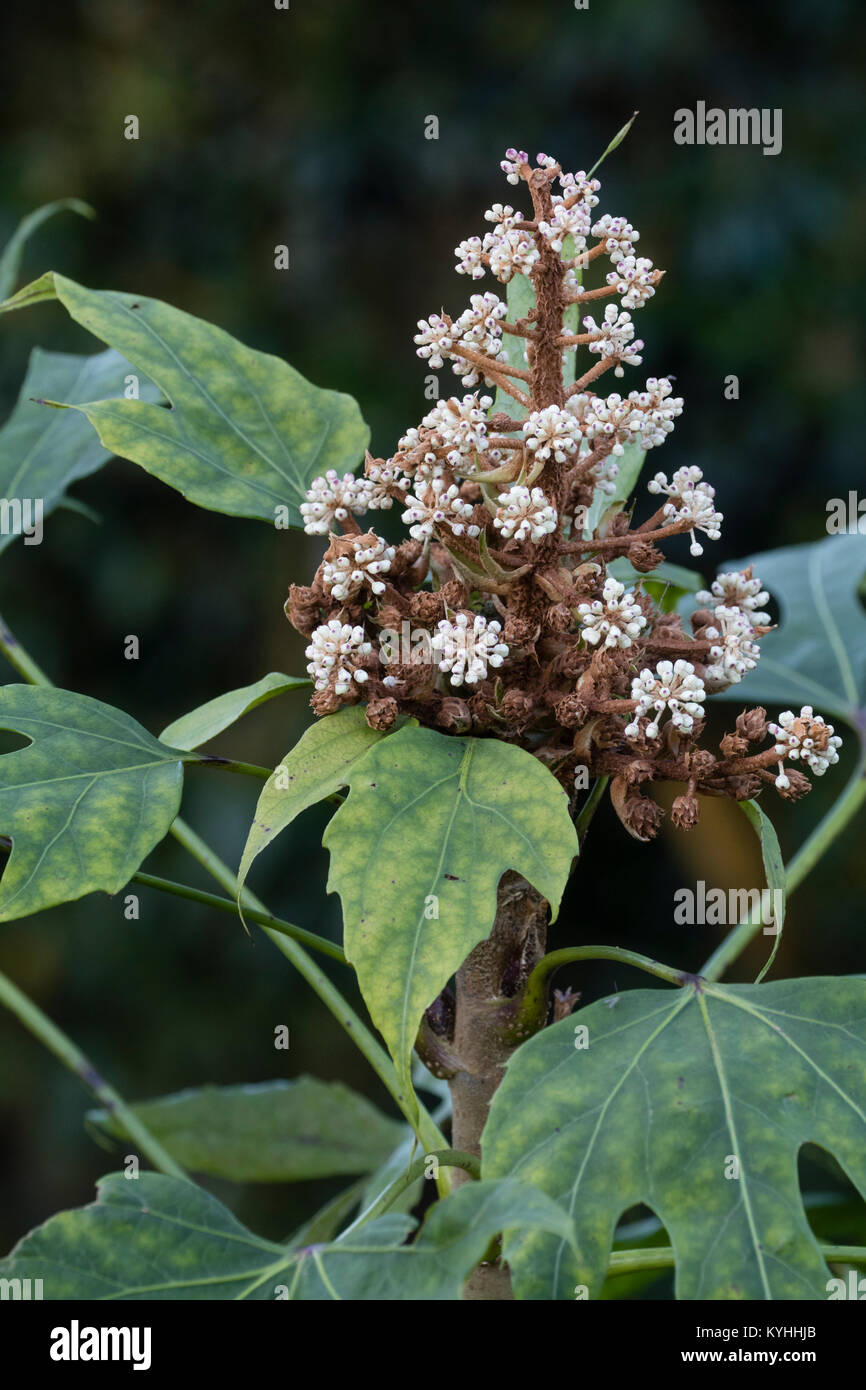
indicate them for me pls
(692, 501)
(459, 426)
(551, 432)
(434, 504)
(347, 575)
(333, 651)
(618, 235)
(573, 222)
(511, 252)
(632, 280)
(734, 650)
(614, 620)
(467, 646)
(579, 186)
(333, 498)
(613, 338)
(673, 687)
(478, 327)
(736, 589)
(512, 162)
(807, 738)
(524, 512)
(643, 417)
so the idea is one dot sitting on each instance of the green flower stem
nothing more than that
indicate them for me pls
(533, 1010)
(803, 863)
(662, 1257)
(448, 1158)
(63, 1048)
(264, 919)
(429, 1134)
(588, 810)
(229, 765)
(19, 658)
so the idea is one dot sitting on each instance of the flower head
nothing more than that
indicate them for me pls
(672, 686)
(552, 433)
(334, 651)
(614, 620)
(467, 646)
(333, 498)
(524, 512)
(804, 737)
(363, 558)
(692, 501)
(737, 589)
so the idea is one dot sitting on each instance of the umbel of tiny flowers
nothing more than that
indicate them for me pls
(528, 635)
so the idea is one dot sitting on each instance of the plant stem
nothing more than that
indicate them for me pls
(533, 1012)
(19, 658)
(448, 1158)
(229, 765)
(662, 1257)
(41, 1026)
(264, 919)
(587, 811)
(429, 1134)
(803, 863)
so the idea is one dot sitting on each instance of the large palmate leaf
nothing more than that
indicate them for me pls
(208, 720)
(430, 825)
(84, 803)
(245, 433)
(278, 1131)
(695, 1103)
(818, 654)
(43, 451)
(164, 1238)
(315, 768)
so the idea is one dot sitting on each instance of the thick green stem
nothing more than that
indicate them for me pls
(229, 765)
(802, 864)
(428, 1133)
(533, 1012)
(72, 1057)
(662, 1257)
(263, 919)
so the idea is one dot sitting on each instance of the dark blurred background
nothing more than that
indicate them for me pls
(261, 127)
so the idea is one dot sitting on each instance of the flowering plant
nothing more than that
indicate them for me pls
(479, 685)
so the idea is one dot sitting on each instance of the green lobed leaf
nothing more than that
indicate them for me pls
(156, 1238)
(817, 655)
(276, 1131)
(245, 433)
(204, 723)
(43, 451)
(10, 260)
(84, 804)
(430, 825)
(671, 1087)
(313, 770)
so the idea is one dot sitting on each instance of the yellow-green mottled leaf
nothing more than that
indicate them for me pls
(84, 804)
(208, 720)
(695, 1102)
(430, 825)
(277, 1131)
(245, 433)
(165, 1238)
(315, 768)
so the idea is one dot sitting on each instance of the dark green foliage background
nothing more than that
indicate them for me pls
(261, 127)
